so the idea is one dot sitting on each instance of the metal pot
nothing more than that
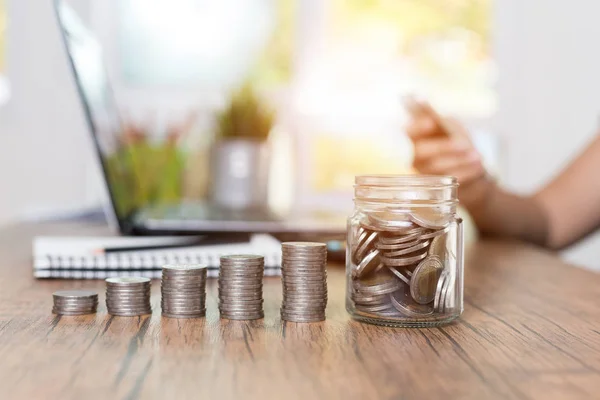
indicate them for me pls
(239, 174)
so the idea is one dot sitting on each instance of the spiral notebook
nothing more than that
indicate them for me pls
(78, 258)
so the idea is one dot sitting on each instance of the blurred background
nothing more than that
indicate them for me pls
(320, 81)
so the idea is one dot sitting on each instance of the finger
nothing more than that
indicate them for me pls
(440, 146)
(468, 174)
(421, 127)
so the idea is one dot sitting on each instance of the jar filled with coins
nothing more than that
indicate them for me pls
(404, 261)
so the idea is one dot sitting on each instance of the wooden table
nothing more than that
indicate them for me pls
(531, 329)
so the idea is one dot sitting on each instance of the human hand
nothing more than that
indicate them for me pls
(442, 146)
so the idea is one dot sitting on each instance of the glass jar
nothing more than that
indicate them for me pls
(404, 260)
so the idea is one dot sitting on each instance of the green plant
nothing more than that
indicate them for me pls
(245, 117)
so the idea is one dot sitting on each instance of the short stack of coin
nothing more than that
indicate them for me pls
(304, 281)
(241, 287)
(183, 291)
(400, 264)
(75, 302)
(128, 296)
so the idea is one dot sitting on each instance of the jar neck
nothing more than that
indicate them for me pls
(376, 192)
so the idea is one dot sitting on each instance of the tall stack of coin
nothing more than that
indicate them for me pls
(128, 296)
(241, 287)
(400, 264)
(75, 302)
(304, 281)
(183, 291)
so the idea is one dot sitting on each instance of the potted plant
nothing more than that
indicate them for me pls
(240, 155)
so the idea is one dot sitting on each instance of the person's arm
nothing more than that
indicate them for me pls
(564, 211)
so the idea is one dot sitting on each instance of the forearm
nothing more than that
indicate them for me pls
(499, 213)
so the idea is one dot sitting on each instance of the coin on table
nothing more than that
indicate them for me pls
(424, 280)
(127, 281)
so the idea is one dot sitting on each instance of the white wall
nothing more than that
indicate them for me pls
(548, 92)
(43, 142)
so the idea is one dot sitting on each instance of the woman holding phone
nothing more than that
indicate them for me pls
(561, 213)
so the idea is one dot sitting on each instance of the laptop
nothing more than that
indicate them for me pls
(177, 214)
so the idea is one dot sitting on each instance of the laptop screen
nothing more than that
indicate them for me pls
(117, 159)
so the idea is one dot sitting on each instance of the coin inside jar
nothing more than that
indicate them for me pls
(424, 280)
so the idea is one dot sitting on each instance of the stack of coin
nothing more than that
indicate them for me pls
(400, 264)
(304, 280)
(183, 291)
(240, 287)
(75, 302)
(128, 296)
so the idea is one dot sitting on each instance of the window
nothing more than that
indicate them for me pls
(335, 70)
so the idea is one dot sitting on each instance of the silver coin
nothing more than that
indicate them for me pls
(361, 235)
(301, 319)
(435, 233)
(183, 316)
(183, 294)
(241, 269)
(75, 294)
(304, 302)
(412, 249)
(303, 271)
(366, 299)
(74, 309)
(128, 296)
(127, 281)
(367, 264)
(431, 219)
(389, 225)
(183, 309)
(438, 247)
(403, 302)
(73, 313)
(240, 301)
(242, 257)
(367, 244)
(241, 291)
(182, 301)
(375, 308)
(184, 267)
(437, 301)
(243, 317)
(400, 262)
(379, 284)
(447, 292)
(424, 280)
(303, 313)
(59, 303)
(401, 273)
(304, 278)
(303, 245)
(129, 314)
(242, 313)
(182, 279)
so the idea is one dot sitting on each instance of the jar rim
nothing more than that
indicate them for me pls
(406, 180)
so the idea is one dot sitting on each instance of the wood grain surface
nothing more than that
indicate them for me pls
(531, 329)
